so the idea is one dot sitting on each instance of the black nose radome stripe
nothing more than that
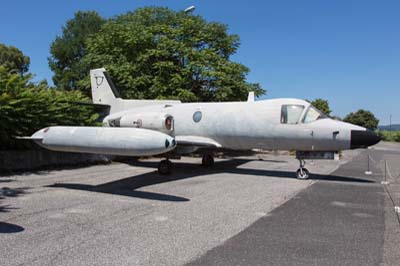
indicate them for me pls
(363, 139)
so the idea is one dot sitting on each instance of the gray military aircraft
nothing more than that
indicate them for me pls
(153, 127)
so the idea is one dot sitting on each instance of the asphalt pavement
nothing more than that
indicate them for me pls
(244, 211)
(346, 219)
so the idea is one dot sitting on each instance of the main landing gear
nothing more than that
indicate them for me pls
(208, 160)
(165, 167)
(302, 172)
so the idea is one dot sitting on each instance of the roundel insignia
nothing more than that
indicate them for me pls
(197, 116)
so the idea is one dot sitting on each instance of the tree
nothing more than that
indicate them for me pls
(363, 118)
(68, 49)
(322, 105)
(13, 60)
(158, 53)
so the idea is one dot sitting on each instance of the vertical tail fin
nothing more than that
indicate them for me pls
(103, 89)
(105, 93)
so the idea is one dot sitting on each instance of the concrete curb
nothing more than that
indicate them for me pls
(15, 160)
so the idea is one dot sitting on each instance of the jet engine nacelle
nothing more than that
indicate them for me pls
(105, 140)
(149, 120)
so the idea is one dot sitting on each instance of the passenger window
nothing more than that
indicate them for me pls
(313, 114)
(291, 113)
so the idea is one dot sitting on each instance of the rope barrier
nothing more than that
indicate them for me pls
(386, 185)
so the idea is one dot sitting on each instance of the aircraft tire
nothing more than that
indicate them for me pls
(208, 160)
(302, 173)
(165, 167)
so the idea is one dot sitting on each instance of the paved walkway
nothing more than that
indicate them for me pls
(344, 219)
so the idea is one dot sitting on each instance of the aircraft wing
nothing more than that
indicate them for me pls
(197, 141)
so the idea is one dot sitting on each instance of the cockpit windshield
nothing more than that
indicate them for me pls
(313, 114)
(291, 113)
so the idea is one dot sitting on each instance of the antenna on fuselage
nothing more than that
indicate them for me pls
(250, 98)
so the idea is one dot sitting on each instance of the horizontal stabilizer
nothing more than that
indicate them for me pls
(29, 138)
(98, 105)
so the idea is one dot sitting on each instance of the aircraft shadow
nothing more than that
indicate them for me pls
(116, 189)
(6, 208)
(288, 174)
(231, 166)
(6, 180)
(127, 186)
(271, 161)
(221, 168)
(7, 228)
(11, 192)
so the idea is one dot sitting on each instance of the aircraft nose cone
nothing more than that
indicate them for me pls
(363, 139)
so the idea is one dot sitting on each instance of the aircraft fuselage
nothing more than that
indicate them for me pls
(254, 125)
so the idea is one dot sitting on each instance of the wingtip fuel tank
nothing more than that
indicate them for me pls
(105, 140)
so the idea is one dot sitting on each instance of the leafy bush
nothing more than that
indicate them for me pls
(26, 108)
(386, 135)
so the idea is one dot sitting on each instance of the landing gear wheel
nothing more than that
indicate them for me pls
(208, 160)
(302, 173)
(165, 167)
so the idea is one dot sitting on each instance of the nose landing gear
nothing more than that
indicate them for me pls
(302, 172)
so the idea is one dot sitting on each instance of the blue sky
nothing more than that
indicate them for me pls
(345, 51)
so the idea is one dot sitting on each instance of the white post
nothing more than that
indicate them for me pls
(368, 172)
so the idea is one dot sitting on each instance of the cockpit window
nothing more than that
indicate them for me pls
(291, 114)
(313, 114)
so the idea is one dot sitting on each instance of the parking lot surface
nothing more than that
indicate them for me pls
(244, 211)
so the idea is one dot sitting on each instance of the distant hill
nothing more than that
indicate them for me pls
(387, 127)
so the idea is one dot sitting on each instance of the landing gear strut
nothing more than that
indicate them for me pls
(165, 167)
(302, 172)
(208, 160)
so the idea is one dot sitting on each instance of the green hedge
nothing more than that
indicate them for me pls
(26, 108)
(386, 135)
